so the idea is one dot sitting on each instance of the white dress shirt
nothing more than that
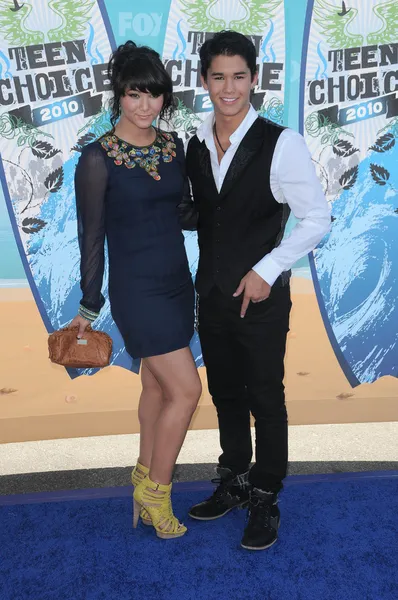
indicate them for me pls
(293, 181)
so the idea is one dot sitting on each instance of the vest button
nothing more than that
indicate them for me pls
(218, 207)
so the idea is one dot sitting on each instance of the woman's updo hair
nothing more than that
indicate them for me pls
(140, 68)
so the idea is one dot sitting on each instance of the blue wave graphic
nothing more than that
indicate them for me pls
(183, 41)
(94, 60)
(357, 269)
(318, 74)
(100, 57)
(7, 74)
(266, 57)
(273, 56)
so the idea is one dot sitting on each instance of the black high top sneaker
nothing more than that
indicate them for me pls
(231, 492)
(263, 520)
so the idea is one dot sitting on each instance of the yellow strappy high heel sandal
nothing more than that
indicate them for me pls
(156, 499)
(139, 473)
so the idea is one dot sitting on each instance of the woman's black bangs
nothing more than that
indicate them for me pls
(144, 76)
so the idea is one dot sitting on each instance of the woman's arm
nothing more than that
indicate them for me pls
(91, 180)
(187, 209)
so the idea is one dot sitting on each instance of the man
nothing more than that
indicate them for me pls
(247, 174)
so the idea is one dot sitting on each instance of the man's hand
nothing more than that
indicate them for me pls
(255, 290)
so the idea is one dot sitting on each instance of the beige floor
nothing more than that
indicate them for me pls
(38, 400)
(348, 442)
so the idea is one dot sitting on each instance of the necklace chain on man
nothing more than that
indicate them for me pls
(218, 141)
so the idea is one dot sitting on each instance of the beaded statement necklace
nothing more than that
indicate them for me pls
(146, 157)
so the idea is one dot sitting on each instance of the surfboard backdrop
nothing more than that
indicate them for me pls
(54, 95)
(350, 121)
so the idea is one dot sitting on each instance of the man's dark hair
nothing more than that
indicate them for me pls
(228, 43)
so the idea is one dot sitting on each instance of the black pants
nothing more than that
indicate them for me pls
(244, 359)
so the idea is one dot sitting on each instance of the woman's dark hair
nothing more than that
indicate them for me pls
(140, 68)
(228, 43)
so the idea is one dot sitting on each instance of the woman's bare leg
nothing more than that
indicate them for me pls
(149, 408)
(178, 378)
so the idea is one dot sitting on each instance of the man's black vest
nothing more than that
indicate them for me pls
(242, 223)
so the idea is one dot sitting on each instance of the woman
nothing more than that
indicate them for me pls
(128, 186)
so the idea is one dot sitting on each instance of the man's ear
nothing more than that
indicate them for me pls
(255, 80)
(204, 84)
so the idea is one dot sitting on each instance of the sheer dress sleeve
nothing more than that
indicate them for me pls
(91, 180)
(187, 209)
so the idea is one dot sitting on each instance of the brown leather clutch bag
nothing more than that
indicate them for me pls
(92, 351)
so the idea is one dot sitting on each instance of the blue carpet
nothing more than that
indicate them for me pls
(338, 541)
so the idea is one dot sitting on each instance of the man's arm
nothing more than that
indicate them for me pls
(295, 182)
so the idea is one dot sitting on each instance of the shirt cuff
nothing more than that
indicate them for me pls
(268, 269)
(89, 315)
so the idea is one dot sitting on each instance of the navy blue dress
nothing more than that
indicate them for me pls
(138, 199)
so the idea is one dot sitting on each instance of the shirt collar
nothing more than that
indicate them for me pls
(205, 130)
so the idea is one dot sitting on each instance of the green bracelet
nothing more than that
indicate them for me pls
(87, 314)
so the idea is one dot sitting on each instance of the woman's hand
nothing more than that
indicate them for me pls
(81, 323)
